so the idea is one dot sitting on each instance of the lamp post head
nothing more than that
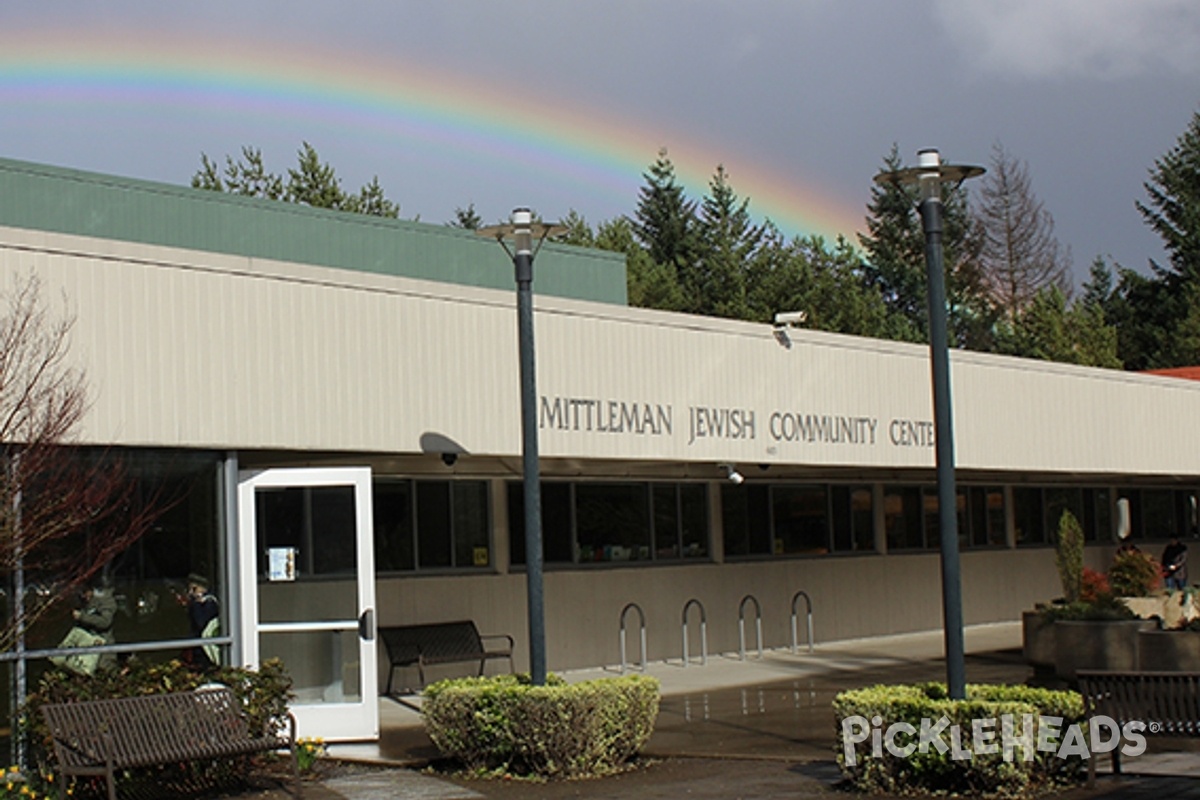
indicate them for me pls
(930, 173)
(522, 229)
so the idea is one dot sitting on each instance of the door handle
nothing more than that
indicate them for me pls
(366, 625)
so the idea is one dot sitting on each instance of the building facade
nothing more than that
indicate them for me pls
(337, 400)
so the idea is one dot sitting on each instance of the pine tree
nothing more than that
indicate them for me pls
(895, 246)
(1173, 210)
(312, 183)
(466, 218)
(665, 220)
(728, 240)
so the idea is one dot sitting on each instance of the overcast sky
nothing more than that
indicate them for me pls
(562, 105)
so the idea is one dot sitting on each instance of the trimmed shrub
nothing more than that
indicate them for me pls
(1068, 555)
(504, 723)
(869, 713)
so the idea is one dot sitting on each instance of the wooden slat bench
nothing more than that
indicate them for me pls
(1168, 702)
(100, 737)
(441, 643)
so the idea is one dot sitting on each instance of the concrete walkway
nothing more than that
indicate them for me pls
(754, 728)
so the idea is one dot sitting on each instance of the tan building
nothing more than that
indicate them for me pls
(339, 396)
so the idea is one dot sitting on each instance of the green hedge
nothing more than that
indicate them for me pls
(505, 724)
(869, 713)
(264, 695)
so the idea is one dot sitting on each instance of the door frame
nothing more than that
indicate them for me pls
(331, 721)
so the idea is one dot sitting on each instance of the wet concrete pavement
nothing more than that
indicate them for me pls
(759, 728)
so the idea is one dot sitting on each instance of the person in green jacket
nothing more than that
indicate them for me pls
(93, 627)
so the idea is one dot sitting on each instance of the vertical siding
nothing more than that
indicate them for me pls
(196, 349)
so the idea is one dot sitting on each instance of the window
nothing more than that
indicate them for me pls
(902, 517)
(987, 516)
(431, 525)
(853, 518)
(614, 521)
(1028, 515)
(800, 517)
(933, 519)
(746, 517)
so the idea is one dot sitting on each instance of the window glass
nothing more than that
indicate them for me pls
(746, 514)
(693, 500)
(612, 521)
(997, 522)
(471, 524)
(433, 524)
(1059, 500)
(1098, 518)
(1028, 516)
(801, 520)
(1158, 514)
(666, 521)
(557, 525)
(902, 517)
(393, 518)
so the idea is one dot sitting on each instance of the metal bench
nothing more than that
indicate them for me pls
(440, 643)
(1168, 702)
(100, 737)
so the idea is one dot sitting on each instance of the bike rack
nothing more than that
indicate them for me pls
(642, 625)
(742, 626)
(808, 601)
(703, 632)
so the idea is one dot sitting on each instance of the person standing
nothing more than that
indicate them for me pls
(1174, 564)
(203, 612)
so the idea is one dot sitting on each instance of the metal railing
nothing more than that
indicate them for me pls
(742, 626)
(642, 626)
(808, 601)
(703, 632)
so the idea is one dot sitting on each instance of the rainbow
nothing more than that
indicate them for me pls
(165, 71)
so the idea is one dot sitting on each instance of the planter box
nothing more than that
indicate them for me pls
(1107, 645)
(1168, 651)
(1037, 639)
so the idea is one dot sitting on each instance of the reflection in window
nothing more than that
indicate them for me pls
(1028, 515)
(606, 522)
(801, 520)
(853, 519)
(987, 516)
(431, 524)
(746, 518)
(903, 516)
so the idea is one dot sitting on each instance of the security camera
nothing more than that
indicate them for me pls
(449, 459)
(731, 473)
(790, 317)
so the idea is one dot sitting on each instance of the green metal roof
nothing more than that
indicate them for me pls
(70, 201)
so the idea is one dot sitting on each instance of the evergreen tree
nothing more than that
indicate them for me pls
(649, 284)
(665, 220)
(1173, 210)
(806, 275)
(1052, 329)
(895, 246)
(312, 183)
(728, 240)
(466, 218)
(579, 233)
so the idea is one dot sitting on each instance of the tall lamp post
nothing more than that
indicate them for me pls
(522, 229)
(929, 175)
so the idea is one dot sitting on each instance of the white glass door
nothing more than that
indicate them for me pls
(308, 592)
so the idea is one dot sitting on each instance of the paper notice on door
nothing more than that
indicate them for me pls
(281, 564)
